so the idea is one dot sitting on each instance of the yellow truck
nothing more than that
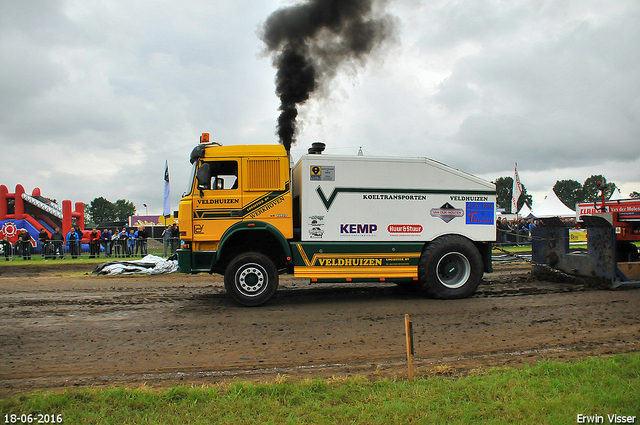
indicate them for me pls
(411, 221)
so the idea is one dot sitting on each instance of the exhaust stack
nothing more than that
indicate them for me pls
(316, 148)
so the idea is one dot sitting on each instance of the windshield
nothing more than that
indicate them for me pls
(192, 176)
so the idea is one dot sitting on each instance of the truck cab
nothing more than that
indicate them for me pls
(239, 198)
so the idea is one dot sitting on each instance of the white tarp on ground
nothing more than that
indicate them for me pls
(150, 264)
(553, 207)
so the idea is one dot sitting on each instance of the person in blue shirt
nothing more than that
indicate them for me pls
(79, 236)
(72, 242)
(105, 238)
(136, 235)
(132, 243)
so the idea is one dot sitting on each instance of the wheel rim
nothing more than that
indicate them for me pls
(251, 279)
(453, 270)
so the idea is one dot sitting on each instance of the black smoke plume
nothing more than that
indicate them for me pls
(310, 41)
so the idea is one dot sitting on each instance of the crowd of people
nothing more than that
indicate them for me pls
(110, 242)
(518, 231)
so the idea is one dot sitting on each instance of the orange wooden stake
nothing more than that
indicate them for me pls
(409, 334)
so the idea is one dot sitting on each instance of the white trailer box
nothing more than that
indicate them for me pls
(360, 198)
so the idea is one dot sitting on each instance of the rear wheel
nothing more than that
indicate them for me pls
(450, 267)
(251, 278)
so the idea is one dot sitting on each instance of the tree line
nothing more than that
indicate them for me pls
(102, 210)
(570, 192)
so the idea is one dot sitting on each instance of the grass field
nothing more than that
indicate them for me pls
(548, 393)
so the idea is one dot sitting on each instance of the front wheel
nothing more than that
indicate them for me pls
(251, 278)
(450, 267)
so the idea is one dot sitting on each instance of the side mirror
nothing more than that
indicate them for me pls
(203, 176)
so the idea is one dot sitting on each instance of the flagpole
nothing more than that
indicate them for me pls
(166, 204)
(516, 191)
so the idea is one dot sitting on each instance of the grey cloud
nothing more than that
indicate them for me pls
(575, 92)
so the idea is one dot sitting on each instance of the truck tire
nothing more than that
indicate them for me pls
(450, 267)
(251, 279)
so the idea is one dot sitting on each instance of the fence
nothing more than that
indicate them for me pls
(115, 248)
(512, 237)
(523, 237)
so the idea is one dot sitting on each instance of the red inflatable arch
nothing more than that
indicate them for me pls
(38, 210)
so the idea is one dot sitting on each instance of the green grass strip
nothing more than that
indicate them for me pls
(39, 260)
(548, 393)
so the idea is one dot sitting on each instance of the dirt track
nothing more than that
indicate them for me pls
(58, 330)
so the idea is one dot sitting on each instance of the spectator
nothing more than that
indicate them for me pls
(523, 230)
(166, 240)
(43, 238)
(79, 237)
(6, 247)
(142, 240)
(57, 239)
(114, 241)
(175, 238)
(24, 239)
(121, 243)
(513, 231)
(105, 239)
(132, 243)
(502, 228)
(137, 240)
(94, 243)
(72, 242)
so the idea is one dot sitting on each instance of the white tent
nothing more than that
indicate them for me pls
(616, 195)
(553, 207)
(525, 212)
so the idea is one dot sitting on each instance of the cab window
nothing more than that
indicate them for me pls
(218, 175)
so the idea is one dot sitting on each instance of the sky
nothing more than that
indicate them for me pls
(96, 95)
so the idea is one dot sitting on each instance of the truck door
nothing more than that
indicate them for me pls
(217, 202)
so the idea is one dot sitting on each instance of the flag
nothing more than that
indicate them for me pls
(166, 206)
(516, 192)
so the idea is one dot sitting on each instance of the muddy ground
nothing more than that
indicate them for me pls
(60, 327)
